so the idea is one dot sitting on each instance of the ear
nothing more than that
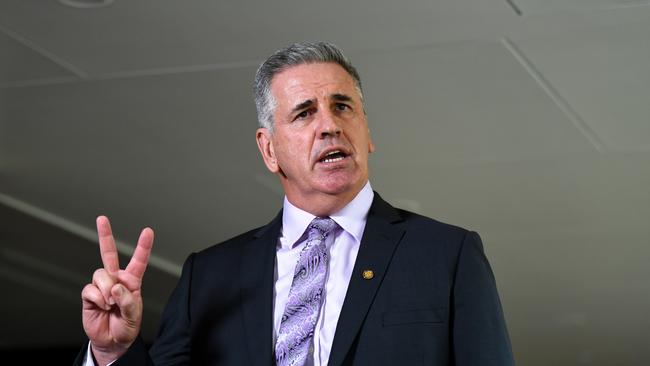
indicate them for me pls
(264, 139)
(371, 145)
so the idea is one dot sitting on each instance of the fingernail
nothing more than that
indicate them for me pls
(111, 301)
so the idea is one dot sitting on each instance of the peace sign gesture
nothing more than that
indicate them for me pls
(112, 303)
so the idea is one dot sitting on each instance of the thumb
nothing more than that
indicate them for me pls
(129, 303)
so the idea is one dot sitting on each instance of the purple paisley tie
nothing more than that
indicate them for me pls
(301, 313)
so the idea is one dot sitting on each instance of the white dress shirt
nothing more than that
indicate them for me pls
(342, 246)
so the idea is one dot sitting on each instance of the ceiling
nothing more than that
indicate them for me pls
(526, 120)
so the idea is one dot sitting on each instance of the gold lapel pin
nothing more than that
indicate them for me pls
(368, 274)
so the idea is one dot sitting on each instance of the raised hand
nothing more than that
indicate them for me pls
(112, 303)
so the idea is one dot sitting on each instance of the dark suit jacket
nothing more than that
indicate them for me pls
(432, 301)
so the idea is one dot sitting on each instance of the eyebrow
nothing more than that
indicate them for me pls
(342, 97)
(309, 102)
(303, 105)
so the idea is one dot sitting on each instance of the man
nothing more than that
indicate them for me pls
(339, 277)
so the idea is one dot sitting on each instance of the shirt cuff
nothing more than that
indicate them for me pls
(90, 361)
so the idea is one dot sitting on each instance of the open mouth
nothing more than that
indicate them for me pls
(333, 156)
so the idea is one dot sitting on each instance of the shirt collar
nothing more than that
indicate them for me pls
(351, 218)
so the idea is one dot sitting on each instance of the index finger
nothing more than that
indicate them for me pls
(107, 247)
(138, 263)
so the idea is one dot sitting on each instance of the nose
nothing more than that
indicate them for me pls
(329, 125)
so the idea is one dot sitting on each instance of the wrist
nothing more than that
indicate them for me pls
(106, 355)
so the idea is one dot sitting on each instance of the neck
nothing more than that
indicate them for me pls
(323, 204)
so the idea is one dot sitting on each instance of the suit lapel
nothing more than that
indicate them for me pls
(380, 238)
(257, 276)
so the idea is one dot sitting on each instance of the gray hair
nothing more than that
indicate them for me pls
(293, 55)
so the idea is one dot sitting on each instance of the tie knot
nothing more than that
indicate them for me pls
(322, 226)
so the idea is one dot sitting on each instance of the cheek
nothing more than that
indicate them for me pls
(298, 147)
(290, 153)
(293, 154)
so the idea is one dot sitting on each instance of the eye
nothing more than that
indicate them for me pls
(342, 107)
(302, 115)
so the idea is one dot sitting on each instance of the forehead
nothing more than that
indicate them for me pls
(308, 81)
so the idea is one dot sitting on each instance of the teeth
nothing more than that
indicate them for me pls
(332, 160)
(333, 156)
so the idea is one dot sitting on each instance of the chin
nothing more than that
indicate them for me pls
(337, 185)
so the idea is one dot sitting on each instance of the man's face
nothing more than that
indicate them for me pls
(320, 143)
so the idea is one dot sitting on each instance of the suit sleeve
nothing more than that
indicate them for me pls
(173, 342)
(136, 355)
(480, 335)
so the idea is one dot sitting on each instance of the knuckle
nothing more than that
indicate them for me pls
(86, 290)
(104, 283)
(99, 272)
